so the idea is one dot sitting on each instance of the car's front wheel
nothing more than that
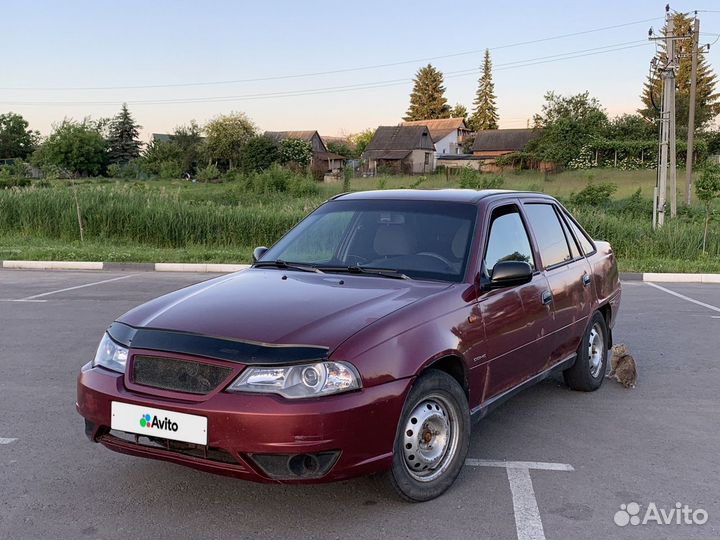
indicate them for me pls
(432, 438)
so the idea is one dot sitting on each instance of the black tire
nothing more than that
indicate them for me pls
(445, 399)
(585, 375)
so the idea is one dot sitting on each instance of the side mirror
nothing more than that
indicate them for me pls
(510, 274)
(258, 252)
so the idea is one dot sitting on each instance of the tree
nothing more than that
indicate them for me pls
(361, 140)
(159, 154)
(295, 152)
(16, 140)
(707, 104)
(342, 148)
(485, 115)
(459, 111)
(427, 100)
(226, 136)
(631, 127)
(77, 147)
(567, 124)
(707, 189)
(123, 141)
(189, 143)
(259, 153)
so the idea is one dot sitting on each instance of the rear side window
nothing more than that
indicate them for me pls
(585, 243)
(508, 240)
(552, 244)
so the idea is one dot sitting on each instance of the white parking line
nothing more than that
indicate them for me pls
(34, 296)
(698, 302)
(519, 464)
(528, 523)
(6, 441)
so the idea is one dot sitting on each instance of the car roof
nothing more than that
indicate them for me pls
(440, 195)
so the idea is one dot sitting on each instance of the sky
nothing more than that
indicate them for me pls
(321, 65)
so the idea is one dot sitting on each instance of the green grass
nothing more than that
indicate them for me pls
(178, 221)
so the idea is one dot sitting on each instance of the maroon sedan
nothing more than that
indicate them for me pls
(366, 340)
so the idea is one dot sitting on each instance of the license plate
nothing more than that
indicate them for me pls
(159, 423)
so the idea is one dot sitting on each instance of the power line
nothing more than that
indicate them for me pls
(334, 71)
(346, 88)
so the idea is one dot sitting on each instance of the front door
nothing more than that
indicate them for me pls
(515, 318)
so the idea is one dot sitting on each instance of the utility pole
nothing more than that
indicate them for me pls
(691, 112)
(671, 125)
(667, 69)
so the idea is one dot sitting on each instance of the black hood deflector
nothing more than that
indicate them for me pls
(243, 352)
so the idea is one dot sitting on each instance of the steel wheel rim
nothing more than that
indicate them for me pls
(430, 438)
(596, 348)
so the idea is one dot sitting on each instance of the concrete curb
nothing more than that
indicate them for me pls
(227, 268)
(121, 266)
(669, 277)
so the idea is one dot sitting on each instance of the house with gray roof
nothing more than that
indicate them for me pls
(401, 150)
(448, 134)
(493, 143)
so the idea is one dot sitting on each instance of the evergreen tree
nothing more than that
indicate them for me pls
(707, 104)
(123, 140)
(427, 101)
(459, 111)
(485, 115)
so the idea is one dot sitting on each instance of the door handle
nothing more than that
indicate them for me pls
(546, 297)
(586, 280)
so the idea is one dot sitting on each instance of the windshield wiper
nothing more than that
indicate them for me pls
(383, 272)
(279, 263)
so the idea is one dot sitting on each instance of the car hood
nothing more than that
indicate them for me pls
(281, 307)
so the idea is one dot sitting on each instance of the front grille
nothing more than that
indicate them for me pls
(178, 375)
(187, 449)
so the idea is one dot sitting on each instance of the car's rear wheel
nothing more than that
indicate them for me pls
(432, 438)
(588, 371)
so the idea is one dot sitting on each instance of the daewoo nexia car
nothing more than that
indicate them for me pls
(366, 340)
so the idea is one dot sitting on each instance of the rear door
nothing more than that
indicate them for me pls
(515, 318)
(567, 272)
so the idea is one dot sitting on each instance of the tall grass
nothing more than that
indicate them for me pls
(153, 219)
(228, 217)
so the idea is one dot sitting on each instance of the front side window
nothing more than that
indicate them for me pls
(421, 239)
(508, 239)
(552, 244)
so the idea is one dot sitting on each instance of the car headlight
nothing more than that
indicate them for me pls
(300, 381)
(110, 355)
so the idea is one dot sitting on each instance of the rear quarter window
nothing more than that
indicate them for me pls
(585, 242)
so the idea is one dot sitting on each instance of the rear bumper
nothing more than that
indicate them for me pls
(358, 428)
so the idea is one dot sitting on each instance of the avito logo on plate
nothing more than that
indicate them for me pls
(149, 421)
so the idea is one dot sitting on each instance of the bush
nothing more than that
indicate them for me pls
(170, 169)
(114, 170)
(594, 194)
(279, 179)
(258, 154)
(208, 173)
(472, 179)
(296, 152)
(11, 182)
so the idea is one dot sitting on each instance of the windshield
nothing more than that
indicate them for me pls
(420, 239)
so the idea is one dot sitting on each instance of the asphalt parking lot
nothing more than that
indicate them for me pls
(587, 453)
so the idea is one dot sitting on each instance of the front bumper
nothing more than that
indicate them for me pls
(357, 428)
